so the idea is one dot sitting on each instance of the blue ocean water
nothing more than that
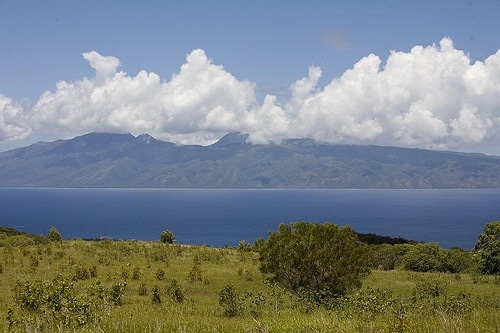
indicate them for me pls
(221, 217)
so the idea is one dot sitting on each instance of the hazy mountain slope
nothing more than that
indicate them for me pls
(122, 160)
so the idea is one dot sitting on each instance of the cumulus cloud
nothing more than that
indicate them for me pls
(13, 124)
(430, 97)
(198, 105)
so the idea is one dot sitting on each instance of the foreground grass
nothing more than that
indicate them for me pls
(175, 288)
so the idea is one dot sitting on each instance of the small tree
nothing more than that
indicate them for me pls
(167, 237)
(230, 301)
(425, 257)
(488, 248)
(54, 235)
(316, 261)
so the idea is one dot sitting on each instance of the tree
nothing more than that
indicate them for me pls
(167, 237)
(231, 301)
(54, 235)
(316, 261)
(388, 256)
(425, 257)
(488, 248)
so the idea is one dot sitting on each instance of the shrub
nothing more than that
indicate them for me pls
(488, 248)
(167, 237)
(82, 273)
(231, 302)
(257, 302)
(426, 289)
(457, 260)
(116, 293)
(136, 273)
(143, 290)
(160, 274)
(156, 298)
(427, 257)
(175, 291)
(318, 261)
(388, 257)
(56, 301)
(54, 235)
(195, 272)
(243, 246)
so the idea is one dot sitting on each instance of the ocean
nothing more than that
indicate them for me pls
(219, 217)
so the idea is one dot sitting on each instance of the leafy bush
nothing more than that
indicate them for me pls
(426, 289)
(257, 302)
(388, 257)
(56, 301)
(116, 293)
(167, 237)
(136, 273)
(143, 290)
(54, 235)
(488, 248)
(368, 303)
(318, 261)
(457, 260)
(427, 257)
(156, 298)
(160, 274)
(195, 272)
(231, 302)
(175, 291)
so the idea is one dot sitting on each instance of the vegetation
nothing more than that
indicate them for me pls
(316, 261)
(54, 235)
(167, 237)
(488, 247)
(115, 286)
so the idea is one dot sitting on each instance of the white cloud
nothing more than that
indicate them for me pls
(430, 97)
(104, 66)
(198, 105)
(13, 124)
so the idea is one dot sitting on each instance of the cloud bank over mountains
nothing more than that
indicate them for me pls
(430, 97)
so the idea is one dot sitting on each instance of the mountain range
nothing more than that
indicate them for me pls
(127, 161)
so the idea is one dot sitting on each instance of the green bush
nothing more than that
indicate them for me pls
(143, 290)
(175, 291)
(488, 248)
(116, 293)
(317, 261)
(425, 257)
(167, 237)
(156, 298)
(457, 260)
(55, 301)
(160, 274)
(136, 273)
(195, 272)
(387, 256)
(231, 302)
(54, 235)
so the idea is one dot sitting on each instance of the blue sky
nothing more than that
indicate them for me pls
(190, 71)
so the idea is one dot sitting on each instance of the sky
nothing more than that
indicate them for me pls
(422, 74)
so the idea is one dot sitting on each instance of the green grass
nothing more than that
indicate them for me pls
(389, 301)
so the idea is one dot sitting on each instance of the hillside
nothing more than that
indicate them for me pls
(122, 160)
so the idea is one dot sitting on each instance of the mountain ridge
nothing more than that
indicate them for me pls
(124, 160)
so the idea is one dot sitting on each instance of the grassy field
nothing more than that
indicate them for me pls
(134, 286)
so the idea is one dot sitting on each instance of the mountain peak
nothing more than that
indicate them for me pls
(235, 138)
(146, 138)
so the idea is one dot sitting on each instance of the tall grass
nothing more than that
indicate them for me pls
(188, 294)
